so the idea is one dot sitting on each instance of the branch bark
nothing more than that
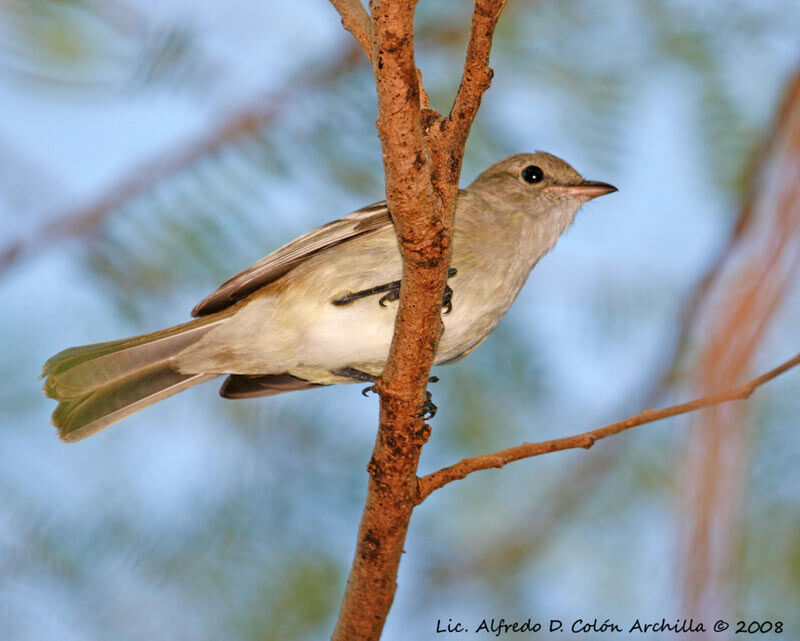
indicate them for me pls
(476, 75)
(436, 480)
(422, 154)
(357, 21)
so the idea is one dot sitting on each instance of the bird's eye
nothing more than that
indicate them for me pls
(532, 174)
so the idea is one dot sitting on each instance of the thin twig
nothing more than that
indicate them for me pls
(357, 21)
(477, 74)
(432, 482)
(449, 140)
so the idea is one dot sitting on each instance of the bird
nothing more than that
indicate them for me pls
(321, 309)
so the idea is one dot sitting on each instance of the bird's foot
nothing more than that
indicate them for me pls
(428, 410)
(392, 288)
(357, 375)
(391, 292)
(371, 388)
(392, 295)
(447, 299)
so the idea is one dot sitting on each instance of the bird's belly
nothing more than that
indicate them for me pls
(283, 335)
(360, 332)
(473, 316)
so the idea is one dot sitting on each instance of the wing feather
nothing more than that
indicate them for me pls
(281, 261)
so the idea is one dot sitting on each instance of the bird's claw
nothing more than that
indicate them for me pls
(392, 295)
(447, 299)
(371, 389)
(428, 410)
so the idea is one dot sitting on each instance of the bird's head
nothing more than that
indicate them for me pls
(540, 184)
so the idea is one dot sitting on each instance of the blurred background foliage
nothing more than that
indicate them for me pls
(150, 150)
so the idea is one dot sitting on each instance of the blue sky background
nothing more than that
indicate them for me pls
(205, 519)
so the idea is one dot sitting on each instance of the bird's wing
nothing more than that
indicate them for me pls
(369, 219)
(244, 386)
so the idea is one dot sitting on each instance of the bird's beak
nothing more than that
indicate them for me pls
(587, 190)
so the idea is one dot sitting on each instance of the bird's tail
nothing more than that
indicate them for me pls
(98, 385)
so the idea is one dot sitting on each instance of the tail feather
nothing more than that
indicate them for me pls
(86, 415)
(78, 369)
(98, 385)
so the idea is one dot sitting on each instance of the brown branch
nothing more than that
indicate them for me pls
(357, 21)
(391, 493)
(432, 482)
(475, 80)
(477, 74)
(422, 163)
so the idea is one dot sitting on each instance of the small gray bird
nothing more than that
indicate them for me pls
(320, 311)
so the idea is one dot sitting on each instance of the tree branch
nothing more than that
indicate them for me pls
(477, 74)
(432, 482)
(450, 138)
(422, 164)
(391, 493)
(357, 21)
